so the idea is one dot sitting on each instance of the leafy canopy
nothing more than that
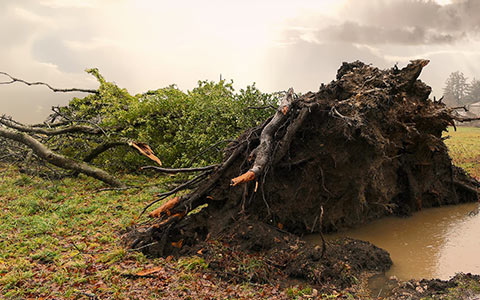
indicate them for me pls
(177, 125)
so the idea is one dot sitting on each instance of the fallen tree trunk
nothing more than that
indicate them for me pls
(364, 146)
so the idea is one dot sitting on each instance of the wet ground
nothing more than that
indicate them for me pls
(433, 243)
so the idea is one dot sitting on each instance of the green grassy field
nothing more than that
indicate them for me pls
(60, 240)
(464, 148)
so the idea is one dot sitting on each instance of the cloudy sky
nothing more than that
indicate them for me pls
(148, 44)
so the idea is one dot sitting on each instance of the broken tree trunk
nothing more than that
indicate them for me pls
(368, 144)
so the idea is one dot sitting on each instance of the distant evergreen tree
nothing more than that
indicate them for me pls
(473, 92)
(455, 89)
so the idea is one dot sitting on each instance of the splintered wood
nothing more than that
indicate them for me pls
(165, 208)
(246, 177)
(146, 150)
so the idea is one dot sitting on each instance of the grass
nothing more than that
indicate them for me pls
(464, 148)
(60, 236)
(60, 240)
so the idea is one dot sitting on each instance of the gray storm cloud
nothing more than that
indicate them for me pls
(352, 32)
(382, 32)
(402, 22)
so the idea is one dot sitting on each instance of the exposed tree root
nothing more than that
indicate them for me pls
(364, 146)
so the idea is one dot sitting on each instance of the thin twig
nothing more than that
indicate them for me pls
(142, 247)
(261, 107)
(9, 122)
(208, 149)
(175, 190)
(466, 119)
(179, 170)
(118, 188)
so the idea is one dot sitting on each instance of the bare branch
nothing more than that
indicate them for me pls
(38, 130)
(459, 107)
(59, 160)
(51, 125)
(179, 170)
(14, 79)
(265, 148)
(284, 143)
(102, 148)
(183, 186)
(459, 119)
(262, 107)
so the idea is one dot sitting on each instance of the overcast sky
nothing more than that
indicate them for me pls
(149, 44)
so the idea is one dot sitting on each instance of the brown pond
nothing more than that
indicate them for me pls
(433, 243)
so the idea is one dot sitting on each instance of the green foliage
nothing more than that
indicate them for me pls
(177, 125)
(298, 293)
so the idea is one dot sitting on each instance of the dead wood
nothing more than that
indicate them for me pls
(144, 149)
(67, 90)
(102, 148)
(59, 160)
(264, 151)
(460, 119)
(179, 170)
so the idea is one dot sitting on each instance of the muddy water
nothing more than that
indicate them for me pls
(433, 243)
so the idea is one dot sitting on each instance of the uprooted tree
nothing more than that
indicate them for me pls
(368, 144)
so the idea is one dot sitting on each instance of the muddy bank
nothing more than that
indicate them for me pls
(433, 243)
(275, 256)
(460, 287)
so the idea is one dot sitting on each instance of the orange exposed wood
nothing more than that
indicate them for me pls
(178, 244)
(285, 110)
(165, 208)
(175, 216)
(147, 151)
(246, 177)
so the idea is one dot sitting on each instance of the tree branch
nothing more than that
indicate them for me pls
(14, 79)
(59, 160)
(38, 130)
(102, 148)
(179, 170)
(265, 149)
(292, 129)
(466, 119)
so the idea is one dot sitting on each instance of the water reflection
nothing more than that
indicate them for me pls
(433, 243)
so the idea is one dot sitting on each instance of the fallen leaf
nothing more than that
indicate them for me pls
(149, 271)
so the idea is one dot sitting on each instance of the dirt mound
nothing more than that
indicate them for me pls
(366, 145)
